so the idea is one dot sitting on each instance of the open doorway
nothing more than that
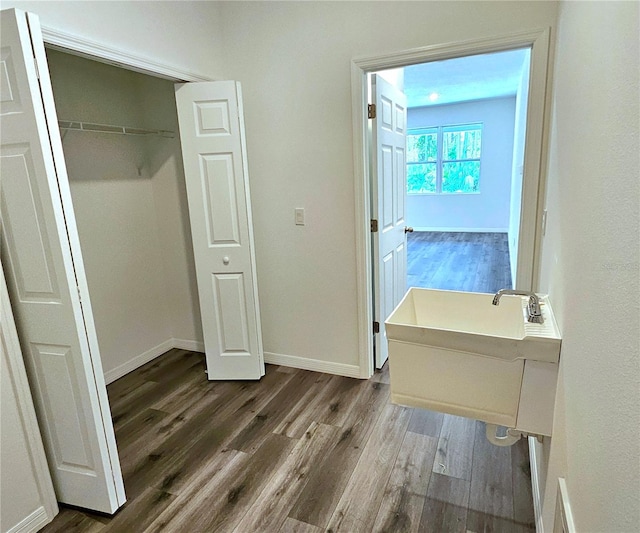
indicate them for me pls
(524, 244)
(464, 158)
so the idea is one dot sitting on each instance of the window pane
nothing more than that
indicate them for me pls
(461, 177)
(463, 144)
(421, 178)
(423, 147)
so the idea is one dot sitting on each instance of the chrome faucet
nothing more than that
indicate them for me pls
(533, 308)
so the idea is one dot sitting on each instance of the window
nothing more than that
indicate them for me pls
(445, 159)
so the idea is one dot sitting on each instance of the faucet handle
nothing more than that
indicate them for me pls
(533, 310)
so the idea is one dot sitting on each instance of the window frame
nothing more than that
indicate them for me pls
(440, 161)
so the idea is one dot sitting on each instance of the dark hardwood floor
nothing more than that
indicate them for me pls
(476, 262)
(302, 452)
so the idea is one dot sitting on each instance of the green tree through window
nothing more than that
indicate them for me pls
(444, 159)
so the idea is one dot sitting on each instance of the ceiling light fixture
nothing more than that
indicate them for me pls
(433, 97)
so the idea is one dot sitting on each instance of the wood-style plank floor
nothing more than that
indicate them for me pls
(476, 262)
(302, 452)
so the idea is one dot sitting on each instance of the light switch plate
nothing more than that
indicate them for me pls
(299, 214)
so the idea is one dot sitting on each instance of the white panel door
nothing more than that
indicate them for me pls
(42, 260)
(28, 500)
(389, 185)
(215, 165)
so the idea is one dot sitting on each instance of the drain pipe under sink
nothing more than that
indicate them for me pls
(512, 436)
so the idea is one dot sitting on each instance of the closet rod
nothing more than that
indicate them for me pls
(74, 125)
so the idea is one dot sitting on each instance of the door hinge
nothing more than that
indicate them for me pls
(371, 110)
(79, 294)
(374, 225)
(35, 64)
(376, 327)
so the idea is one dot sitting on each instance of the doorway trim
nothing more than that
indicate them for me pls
(80, 46)
(534, 180)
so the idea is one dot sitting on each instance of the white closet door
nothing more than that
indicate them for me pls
(28, 500)
(42, 260)
(215, 165)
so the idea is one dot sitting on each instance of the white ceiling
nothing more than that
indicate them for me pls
(465, 78)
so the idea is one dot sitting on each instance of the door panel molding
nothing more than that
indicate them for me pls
(534, 178)
(15, 388)
(217, 182)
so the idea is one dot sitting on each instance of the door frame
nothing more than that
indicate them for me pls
(80, 46)
(534, 169)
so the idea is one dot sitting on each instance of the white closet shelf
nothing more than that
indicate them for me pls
(75, 125)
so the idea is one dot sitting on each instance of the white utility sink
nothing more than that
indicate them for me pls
(468, 322)
(457, 353)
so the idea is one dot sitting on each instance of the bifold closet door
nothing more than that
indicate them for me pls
(215, 165)
(42, 261)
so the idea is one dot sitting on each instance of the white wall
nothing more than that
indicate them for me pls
(114, 207)
(164, 160)
(590, 264)
(293, 59)
(487, 210)
(184, 35)
(127, 200)
(517, 168)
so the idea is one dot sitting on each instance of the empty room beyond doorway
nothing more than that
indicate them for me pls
(458, 261)
(464, 160)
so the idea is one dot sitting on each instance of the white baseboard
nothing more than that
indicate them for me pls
(186, 344)
(460, 230)
(536, 488)
(34, 522)
(136, 362)
(150, 355)
(294, 361)
(317, 365)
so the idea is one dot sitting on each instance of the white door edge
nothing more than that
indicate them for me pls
(534, 177)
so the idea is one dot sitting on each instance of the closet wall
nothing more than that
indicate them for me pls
(130, 204)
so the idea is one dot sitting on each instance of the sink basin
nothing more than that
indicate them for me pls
(468, 322)
(457, 353)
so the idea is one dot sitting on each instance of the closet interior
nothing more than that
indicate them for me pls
(121, 143)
